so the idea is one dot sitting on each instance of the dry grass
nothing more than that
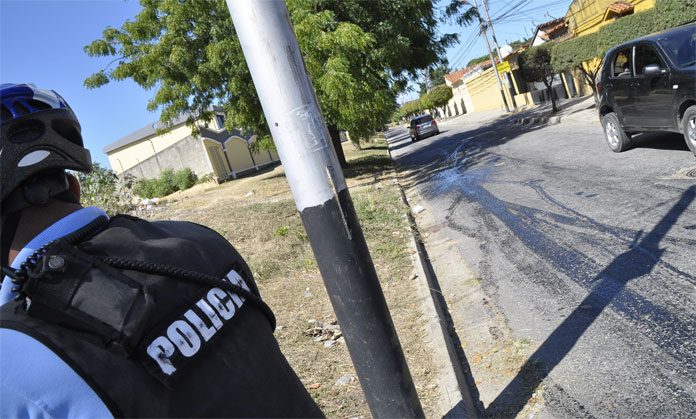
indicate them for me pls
(258, 216)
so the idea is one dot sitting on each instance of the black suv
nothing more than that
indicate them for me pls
(649, 84)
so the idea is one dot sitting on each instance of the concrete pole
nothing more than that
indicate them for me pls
(314, 174)
(490, 54)
(495, 44)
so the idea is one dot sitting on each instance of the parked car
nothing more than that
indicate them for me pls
(649, 84)
(423, 126)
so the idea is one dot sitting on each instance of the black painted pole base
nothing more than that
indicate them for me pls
(356, 295)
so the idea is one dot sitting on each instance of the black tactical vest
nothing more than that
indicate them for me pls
(161, 319)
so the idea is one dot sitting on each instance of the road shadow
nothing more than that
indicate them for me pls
(611, 281)
(660, 141)
(474, 142)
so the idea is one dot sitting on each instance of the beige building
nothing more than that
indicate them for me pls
(145, 153)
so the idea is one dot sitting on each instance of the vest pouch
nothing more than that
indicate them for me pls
(72, 289)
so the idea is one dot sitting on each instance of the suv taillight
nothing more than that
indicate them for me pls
(599, 82)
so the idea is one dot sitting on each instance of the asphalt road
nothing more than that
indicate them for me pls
(588, 253)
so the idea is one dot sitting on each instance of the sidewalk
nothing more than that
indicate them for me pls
(574, 110)
(580, 109)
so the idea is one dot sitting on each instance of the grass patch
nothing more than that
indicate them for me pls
(258, 216)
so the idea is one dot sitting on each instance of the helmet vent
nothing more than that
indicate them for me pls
(33, 158)
(6, 113)
(67, 129)
(20, 108)
(39, 105)
(26, 131)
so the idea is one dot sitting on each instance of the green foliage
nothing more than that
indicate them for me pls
(576, 51)
(411, 108)
(281, 231)
(166, 183)
(666, 14)
(437, 77)
(478, 60)
(586, 52)
(184, 179)
(438, 97)
(358, 54)
(104, 189)
(145, 188)
(535, 66)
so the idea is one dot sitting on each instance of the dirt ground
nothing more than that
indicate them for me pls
(258, 216)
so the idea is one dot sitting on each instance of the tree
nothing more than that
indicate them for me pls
(535, 66)
(586, 53)
(581, 53)
(437, 98)
(436, 76)
(104, 189)
(358, 54)
(478, 60)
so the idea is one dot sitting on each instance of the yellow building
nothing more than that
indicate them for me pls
(587, 16)
(145, 153)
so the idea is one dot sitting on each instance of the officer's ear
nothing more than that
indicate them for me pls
(74, 185)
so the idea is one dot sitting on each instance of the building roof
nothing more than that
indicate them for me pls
(620, 7)
(144, 132)
(459, 74)
(455, 76)
(551, 23)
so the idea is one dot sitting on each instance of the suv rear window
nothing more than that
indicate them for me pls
(425, 118)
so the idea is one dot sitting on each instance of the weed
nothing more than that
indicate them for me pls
(281, 231)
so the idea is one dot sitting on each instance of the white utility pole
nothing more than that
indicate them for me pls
(490, 54)
(326, 209)
(495, 44)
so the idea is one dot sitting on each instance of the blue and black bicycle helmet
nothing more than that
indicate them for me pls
(40, 134)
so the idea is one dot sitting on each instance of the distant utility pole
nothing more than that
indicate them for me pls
(490, 54)
(495, 43)
(326, 209)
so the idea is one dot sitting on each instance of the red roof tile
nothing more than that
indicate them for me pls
(551, 23)
(620, 7)
(457, 75)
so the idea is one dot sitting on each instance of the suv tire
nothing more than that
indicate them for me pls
(617, 139)
(689, 128)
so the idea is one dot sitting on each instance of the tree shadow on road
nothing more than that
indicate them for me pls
(630, 265)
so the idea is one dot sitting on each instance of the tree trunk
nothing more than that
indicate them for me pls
(591, 79)
(549, 88)
(336, 141)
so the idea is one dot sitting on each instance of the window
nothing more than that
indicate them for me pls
(220, 121)
(680, 46)
(646, 55)
(622, 63)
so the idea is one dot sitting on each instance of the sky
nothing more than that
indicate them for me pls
(42, 41)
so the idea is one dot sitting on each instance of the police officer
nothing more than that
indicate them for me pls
(120, 317)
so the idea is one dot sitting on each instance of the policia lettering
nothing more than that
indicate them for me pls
(218, 306)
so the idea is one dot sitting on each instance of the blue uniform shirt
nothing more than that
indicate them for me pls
(34, 381)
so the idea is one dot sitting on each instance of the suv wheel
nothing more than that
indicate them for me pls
(689, 128)
(616, 137)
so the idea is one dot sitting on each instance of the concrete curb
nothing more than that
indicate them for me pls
(456, 401)
(553, 120)
(455, 395)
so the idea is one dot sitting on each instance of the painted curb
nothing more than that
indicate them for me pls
(553, 120)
